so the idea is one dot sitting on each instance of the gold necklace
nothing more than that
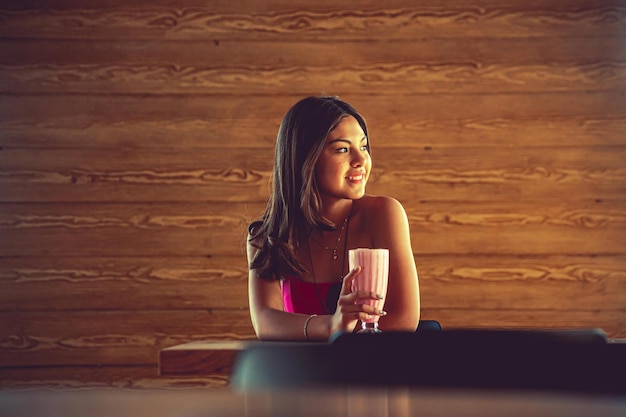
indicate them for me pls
(333, 293)
(335, 254)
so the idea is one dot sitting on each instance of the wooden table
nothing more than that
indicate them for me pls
(208, 357)
(216, 357)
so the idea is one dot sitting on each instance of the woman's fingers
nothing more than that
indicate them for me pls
(359, 297)
(346, 286)
(354, 306)
(358, 310)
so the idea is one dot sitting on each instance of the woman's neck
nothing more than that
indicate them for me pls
(337, 211)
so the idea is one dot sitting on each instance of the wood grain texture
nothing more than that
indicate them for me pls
(192, 230)
(110, 337)
(151, 283)
(344, 55)
(136, 143)
(321, 22)
(559, 283)
(251, 6)
(436, 67)
(77, 110)
(82, 377)
(474, 132)
(125, 339)
(212, 360)
(612, 324)
(239, 175)
(416, 78)
(534, 283)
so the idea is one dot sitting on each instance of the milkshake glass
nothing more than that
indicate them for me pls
(373, 277)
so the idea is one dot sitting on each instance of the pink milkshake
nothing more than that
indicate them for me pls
(373, 277)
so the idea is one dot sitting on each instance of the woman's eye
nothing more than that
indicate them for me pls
(341, 150)
(364, 147)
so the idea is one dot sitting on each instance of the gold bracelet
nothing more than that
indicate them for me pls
(306, 323)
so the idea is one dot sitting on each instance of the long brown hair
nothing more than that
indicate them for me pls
(294, 205)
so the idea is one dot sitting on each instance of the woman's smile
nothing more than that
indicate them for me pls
(356, 178)
(344, 164)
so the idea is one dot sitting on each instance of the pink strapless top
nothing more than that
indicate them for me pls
(303, 297)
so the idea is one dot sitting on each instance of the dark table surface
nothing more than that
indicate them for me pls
(217, 357)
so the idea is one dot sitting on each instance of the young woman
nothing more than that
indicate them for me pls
(299, 284)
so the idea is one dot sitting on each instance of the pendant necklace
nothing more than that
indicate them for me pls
(334, 252)
(333, 293)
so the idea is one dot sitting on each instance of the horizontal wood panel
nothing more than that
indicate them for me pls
(210, 174)
(410, 73)
(558, 283)
(104, 339)
(137, 144)
(155, 283)
(201, 230)
(385, 159)
(64, 112)
(614, 324)
(81, 377)
(414, 132)
(517, 229)
(111, 338)
(187, 56)
(426, 174)
(250, 6)
(110, 229)
(323, 21)
(453, 77)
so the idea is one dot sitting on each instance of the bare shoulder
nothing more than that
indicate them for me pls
(380, 205)
(383, 220)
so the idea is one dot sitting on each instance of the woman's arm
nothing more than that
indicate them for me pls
(271, 322)
(391, 230)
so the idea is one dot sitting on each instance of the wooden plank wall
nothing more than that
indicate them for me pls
(136, 142)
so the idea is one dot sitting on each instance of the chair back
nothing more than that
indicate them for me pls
(428, 325)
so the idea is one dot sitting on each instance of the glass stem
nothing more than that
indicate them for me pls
(374, 326)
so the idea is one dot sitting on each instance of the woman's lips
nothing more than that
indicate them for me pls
(356, 177)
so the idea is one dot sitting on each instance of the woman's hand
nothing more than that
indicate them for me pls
(348, 312)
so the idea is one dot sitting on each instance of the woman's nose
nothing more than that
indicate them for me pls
(358, 159)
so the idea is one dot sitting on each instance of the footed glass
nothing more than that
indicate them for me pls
(373, 277)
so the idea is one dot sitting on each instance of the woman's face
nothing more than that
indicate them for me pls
(344, 165)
